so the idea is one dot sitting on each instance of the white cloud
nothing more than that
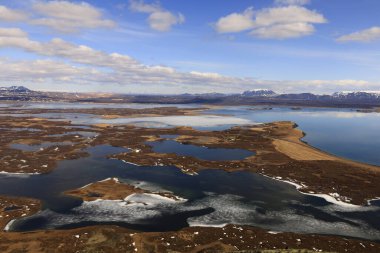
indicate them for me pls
(69, 17)
(235, 22)
(41, 71)
(366, 35)
(163, 21)
(140, 6)
(81, 65)
(12, 33)
(120, 69)
(159, 19)
(286, 22)
(292, 2)
(284, 31)
(288, 15)
(272, 23)
(206, 74)
(10, 15)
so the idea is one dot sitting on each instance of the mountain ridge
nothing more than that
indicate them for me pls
(249, 97)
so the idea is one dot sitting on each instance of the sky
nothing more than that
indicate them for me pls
(197, 46)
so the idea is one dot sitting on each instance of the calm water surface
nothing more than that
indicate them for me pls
(213, 197)
(343, 132)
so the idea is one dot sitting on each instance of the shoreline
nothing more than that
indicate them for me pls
(330, 199)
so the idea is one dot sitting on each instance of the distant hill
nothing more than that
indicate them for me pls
(360, 95)
(20, 89)
(259, 93)
(364, 99)
(21, 93)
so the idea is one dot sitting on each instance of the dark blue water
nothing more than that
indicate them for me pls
(34, 148)
(343, 132)
(203, 153)
(212, 198)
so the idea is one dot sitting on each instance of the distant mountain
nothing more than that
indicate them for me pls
(21, 93)
(359, 95)
(16, 89)
(300, 96)
(364, 99)
(213, 94)
(259, 93)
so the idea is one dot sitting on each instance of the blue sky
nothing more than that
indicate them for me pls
(178, 46)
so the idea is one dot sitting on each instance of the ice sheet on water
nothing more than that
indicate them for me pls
(229, 209)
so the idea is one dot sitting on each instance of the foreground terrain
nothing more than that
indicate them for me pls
(277, 151)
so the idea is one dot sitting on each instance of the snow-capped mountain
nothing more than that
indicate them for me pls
(358, 95)
(16, 89)
(259, 93)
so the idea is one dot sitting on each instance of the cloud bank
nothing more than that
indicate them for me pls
(367, 35)
(84, 65)
(272, 23)
(59, 16)
(10, 15)
(159, 19)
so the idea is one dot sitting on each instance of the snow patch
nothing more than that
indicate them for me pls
(8, 226)
(18, 173)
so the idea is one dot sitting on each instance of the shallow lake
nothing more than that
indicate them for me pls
(212, 198)
(343, 132)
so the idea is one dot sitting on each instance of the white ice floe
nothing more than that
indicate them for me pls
(333, 198)
(151, 199)
(274, 232)
(18, 173)
(124, 161)
(8, 226)
(104, 180)
(135, 209)
(229, 209)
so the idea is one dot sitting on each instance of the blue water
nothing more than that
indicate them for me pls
(37, 147)
(213, 198)
(343, 132)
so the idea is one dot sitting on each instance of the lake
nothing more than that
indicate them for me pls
(213, 197)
